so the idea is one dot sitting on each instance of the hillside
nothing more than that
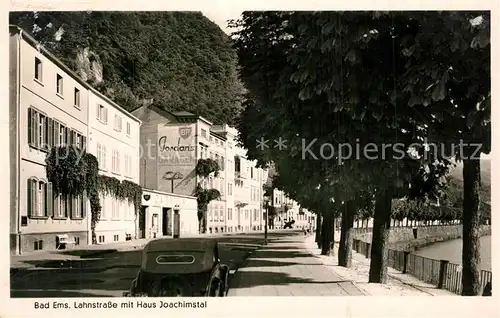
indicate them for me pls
(175, 60)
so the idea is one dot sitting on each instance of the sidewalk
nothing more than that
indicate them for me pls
(286, 268)
(398, 284)
(21, 261)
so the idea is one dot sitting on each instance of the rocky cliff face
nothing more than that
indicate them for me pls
(89, 66)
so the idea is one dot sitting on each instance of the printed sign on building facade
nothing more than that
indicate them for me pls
(176, 158)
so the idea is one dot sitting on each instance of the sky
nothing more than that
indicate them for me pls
(221, 15)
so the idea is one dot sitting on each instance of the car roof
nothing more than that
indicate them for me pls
(181, 244)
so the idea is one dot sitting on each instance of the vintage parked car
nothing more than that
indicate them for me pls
(184, 267)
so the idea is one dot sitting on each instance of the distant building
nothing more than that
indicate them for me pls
(175, 142)
(170, 147)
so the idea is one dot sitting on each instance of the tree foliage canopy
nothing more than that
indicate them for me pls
(179, 60)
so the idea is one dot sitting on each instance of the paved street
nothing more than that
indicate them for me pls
(108, 274)
(285, 267)
(282, 268)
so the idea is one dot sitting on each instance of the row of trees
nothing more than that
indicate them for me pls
(324, 80)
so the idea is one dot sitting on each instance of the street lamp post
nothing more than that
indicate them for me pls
(266, 204)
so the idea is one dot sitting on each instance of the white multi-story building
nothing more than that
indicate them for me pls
(49, 106)
(114, 140)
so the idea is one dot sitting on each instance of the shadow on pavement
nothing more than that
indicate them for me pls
(262, 278)
(51, 294)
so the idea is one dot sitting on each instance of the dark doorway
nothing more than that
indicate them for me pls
(177, 223)
(167, 221)
(142, 222)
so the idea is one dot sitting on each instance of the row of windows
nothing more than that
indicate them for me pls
(115, 161)
(59, 83)
(102, 111)
(43, 202)
(217, 214)
(211, 139)
(205, 155)
(102, 116)
(45, 132)
(120, 209)
(234, 229)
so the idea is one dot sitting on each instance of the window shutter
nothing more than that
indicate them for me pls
(98, 107)
(30, 198)
(30, 126)
(36, 128)
(34, 197)
(73, 207)
(55, 207)
(50, 133)
(69, 136)
(84, 204)
(67, 206)
(105, 115)
(49, 200)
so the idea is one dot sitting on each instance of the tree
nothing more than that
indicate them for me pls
(179, 61)
(330, 67)
(452, 82)
(205, 168)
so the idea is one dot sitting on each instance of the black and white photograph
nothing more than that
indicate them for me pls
(193, 154)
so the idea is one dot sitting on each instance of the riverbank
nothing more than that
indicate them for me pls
(409, 239)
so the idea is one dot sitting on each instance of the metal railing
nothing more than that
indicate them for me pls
(440, 273)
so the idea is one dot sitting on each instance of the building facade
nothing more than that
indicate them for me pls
(287, 210)
(50, 105)
(45, 111)
(169, 150)
(175, 141)
(113, 138)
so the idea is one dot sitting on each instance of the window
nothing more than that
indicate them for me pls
(237, 164)
(40, 201)
(62, 135)
(115, 214)
(229, 213)
(229, 189)
(204, 133)
(101, 156)
(59, 83)
(127, 165)
(38, 69)
(255, 214)
(38, 245)
(104, 211)
(210, 212)
(76, 98)
(128, 129)
(102, 114)
(221, 163)
(251, 173)
(118, 123)
(101, 238)
(59, 207)
(211, 139)
(38, 129)
(115, 164)
(78, 207)
(77, 240)
(116, 238)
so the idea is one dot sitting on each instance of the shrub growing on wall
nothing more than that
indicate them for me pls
(204, 168)
(73, 171)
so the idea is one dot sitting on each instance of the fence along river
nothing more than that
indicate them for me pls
(435, 264)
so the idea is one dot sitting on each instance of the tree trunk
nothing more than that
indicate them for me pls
(380, 238)
(471, 285)
(318, 231)
(327, 238)
(346, 234)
